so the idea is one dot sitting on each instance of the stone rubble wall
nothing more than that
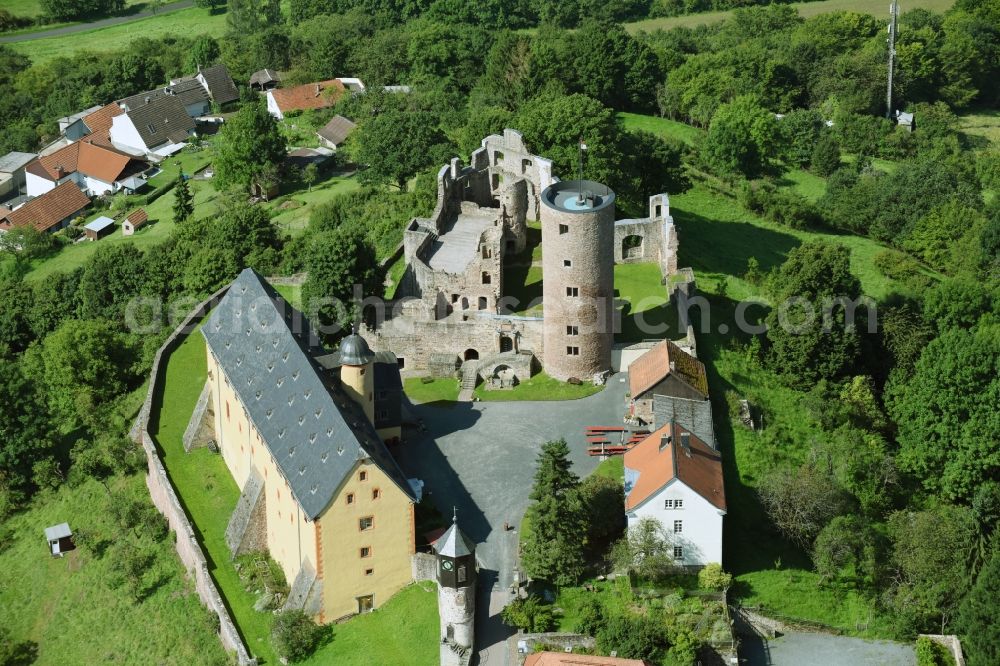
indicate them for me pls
(951, 642)
(247, 528)
(424, 567)
(195, 435)
(165, 498)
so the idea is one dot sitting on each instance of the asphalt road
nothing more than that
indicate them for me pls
(480, 457)
(94, 25)
(798, 649)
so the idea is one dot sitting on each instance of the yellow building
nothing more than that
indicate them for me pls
(319, 489)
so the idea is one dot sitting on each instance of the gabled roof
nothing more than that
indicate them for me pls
(315, 433)
(265, 76)
(137, 218)
(189, 91)
(100, 224)
(653, 367)
(99, 124)
(97, 162)
(220, 85)
(661, 458)
(51, 208)
(133, 102)
(69, 120)
(308, 96)
(337, 130)
(163, 119)
(13, 161)
(454, 543)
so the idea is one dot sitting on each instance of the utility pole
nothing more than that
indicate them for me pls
(893, 16)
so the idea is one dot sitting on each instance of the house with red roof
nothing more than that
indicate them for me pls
(665, 370)
(675, 478)
(95, 169)
(319, 95)
(49, 212)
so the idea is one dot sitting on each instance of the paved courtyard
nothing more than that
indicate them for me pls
(798, 649)
(480, 457)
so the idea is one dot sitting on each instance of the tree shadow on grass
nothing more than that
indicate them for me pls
(715, 246)
(22, 654)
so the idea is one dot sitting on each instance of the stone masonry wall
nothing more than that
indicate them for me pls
(165, 499)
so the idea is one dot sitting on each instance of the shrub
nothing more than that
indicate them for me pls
(294, 635)
(932, 653)
(825, 156)
(786, 208)
(712, 577)
(528, 614)
(591, 617)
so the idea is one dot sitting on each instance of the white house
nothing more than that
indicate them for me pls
(95, 169)
(318, 95)
(157, 128)
(676, 479)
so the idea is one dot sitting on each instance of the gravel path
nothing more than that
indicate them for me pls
(96, 25)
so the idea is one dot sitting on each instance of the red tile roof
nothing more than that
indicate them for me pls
(309, 96)
(99, 123)
(137, 218)
(567, 659)
(659, 461)
(95, 161)
(50, 208)
(653, 367)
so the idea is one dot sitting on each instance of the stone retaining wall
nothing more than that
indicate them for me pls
(951, 642)
(424, 566)
(165, 498)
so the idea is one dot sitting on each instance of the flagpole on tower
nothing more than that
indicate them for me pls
(582, 147)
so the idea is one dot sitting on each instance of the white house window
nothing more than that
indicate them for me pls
(678, 552)
(678, 526)
(673, 504)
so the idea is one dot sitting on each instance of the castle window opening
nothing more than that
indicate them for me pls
(572, 351)
(563, 228)
(567, 263)
(572, 291)
(506, 343)
(471, 355)
(572, 330)
(366, 523)
(498, 157)
(487, 278)
(366, 604)
(369, 572)
(525, 165)
(632, 246)
(483, 303)
(659, 211)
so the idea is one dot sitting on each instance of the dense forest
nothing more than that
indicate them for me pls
(899, 500)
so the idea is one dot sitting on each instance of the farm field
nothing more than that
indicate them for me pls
(805, 9)
(190, 22)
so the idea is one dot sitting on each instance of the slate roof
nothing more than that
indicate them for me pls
(168, 118)
(69, 120)
(654, 462)
(13, 161)
(454, 543)
(99, 124)
(220, 85)
(189, 91)
(51, 208)
(653, 367)
(308, 96)
(337, 130)
(137, 100)
(315, 432)
(694, 415)
(98, 162)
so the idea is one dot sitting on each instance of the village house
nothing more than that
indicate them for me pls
(664, 370)
(98, 124)
(95, 170)
(133, 221)
(676, 479)
(319, 489)
(99, 228)
(218, 84)
(12, 176)
(320, 95)
(72, 127)
(49, 212)
(335, 132)
(157, 129)
(265, 79)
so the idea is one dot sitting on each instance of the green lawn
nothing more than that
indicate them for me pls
(663, 127)
(68, 606)
(806, 9)
(646, 315)
(437, 390)
(393, 276)
(613, 468)
(291, 293)
(189, 22)
(539, 387)
(205, 487)
(291, 211)
(803, 183)
(402, 632)
(985, 124)
(156, 231)
(33, 8)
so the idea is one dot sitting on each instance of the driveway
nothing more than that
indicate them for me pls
(796, 649)
(480, 458)
(95, 25)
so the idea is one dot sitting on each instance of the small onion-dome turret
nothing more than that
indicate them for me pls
(354, 350)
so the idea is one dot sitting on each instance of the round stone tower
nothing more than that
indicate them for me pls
(578, 276)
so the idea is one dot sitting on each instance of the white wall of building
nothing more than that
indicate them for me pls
(36, 185)
(701, 522)
(96, 188)
(272, 107)
(125, 136)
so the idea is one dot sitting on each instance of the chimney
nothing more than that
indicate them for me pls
(60, 172)
(686, 443)
(673, 366)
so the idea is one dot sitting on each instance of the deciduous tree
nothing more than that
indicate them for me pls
(248, 145)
